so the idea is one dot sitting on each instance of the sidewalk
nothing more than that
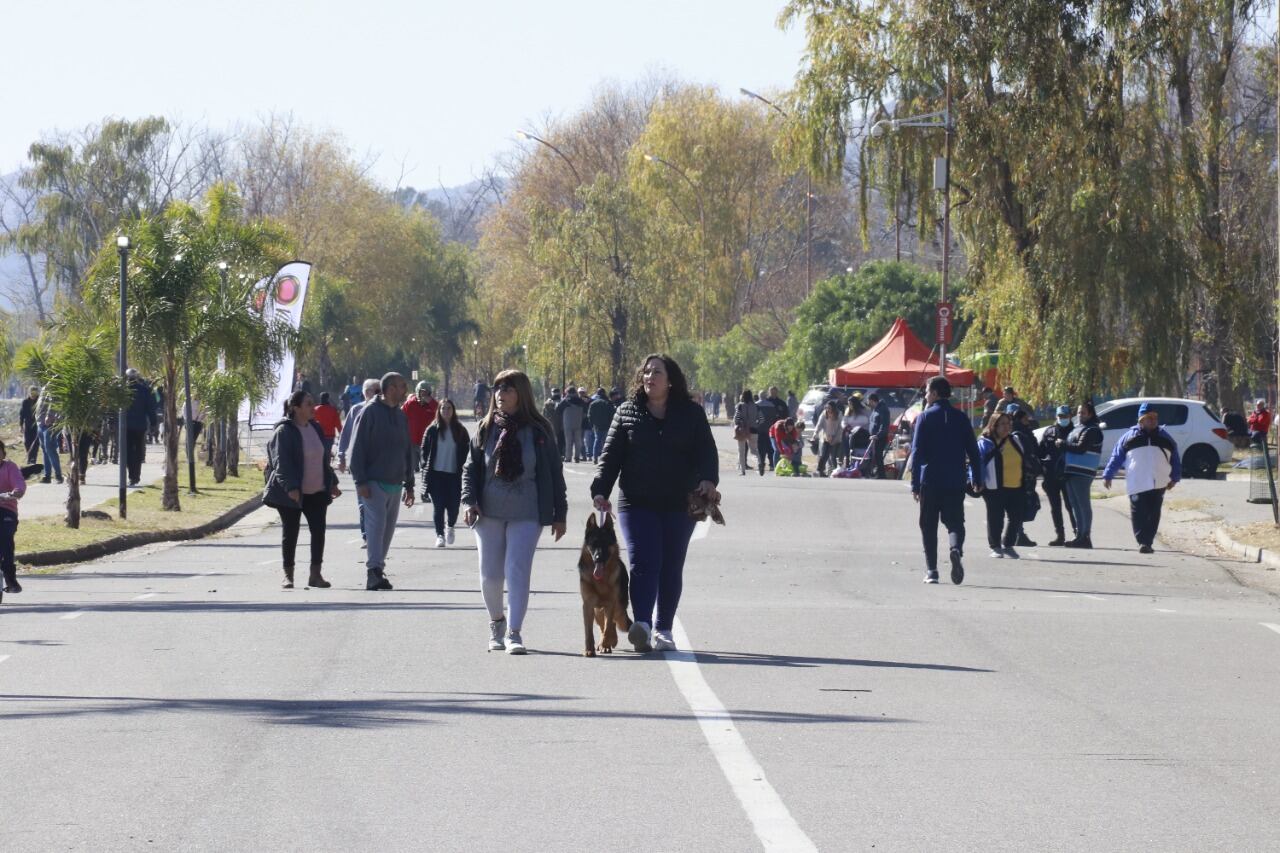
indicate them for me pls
(103, 484)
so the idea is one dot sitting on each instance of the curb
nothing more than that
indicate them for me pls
(1249, 553)
(126, 541)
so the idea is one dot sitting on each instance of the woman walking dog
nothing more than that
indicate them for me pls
(512, 486)
(659, 450)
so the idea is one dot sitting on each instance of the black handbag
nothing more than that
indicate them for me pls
(1033, 505)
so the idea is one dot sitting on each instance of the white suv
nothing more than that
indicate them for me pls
(1194, 425)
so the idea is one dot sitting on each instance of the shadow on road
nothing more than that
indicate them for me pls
(373, 713)
(1067, 591)
(753, 659)
(71, 576)
(237, 607)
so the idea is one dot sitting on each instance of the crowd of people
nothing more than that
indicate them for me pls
(507, 479)
(1003, 464)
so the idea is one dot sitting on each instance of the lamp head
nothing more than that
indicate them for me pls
(222, 265)
(877, 129)
(650, 158)
(520, 134)
(122, 242)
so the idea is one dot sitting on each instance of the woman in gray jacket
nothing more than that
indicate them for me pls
(512, 487)
(744, 419)
(300, 482)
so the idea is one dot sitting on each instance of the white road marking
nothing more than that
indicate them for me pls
(1162, 610)
(269, 562)
(1094, 597)
(772, 822)
(1271, 625)
(3, 658)
(580, 473)
(144, 596)
(353, 541)
(75, 614)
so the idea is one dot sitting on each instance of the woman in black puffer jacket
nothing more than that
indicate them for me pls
(659, 449)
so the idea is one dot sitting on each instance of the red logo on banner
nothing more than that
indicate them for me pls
(943, 330)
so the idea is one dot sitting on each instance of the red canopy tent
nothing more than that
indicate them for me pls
(898, 360)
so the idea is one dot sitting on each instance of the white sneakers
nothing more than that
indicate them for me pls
(448, 535)
(662, 641)
(497, 629)
(439, 541)
(515, 645)
(638, 634)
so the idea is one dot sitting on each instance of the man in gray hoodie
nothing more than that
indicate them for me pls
(382, 466)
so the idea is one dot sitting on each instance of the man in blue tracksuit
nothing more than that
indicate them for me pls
(941, 442)
(1151, 468)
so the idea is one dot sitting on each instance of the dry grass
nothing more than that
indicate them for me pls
(214, 499)
(1262, 534)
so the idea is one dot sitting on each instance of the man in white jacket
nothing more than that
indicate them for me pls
(1151, 468)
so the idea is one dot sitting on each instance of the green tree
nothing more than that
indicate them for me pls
(845, 315)
(726, 363)
(178, 307)
(79, 380)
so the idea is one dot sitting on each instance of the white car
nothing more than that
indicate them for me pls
(1193, 424)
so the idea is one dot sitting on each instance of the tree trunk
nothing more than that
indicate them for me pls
(220, 455)
(73, 482)
(446, 370)
(169, 500)
(233, 447)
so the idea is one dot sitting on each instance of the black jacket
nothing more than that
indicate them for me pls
(657, 463)
(284, 466)
(553, 501)
(27, 415)
(429, 441)
(601, 413)
(880, 417)
(1053, 457)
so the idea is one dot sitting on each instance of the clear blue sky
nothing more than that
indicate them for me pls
(441, 85)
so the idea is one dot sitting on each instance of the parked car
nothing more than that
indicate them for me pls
(1201, 436)
(897, 398)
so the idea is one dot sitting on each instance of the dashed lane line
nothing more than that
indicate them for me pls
(3, 658)
(770, 818)
(75, 614)
(1271, 625)
(144, 596)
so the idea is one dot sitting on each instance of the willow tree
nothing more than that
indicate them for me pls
(1070, 197)
(177, 305)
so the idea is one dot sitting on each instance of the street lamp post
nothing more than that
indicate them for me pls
(524, 134)
(122, 246)
(808, 197)
(941, 182)
(702, 238)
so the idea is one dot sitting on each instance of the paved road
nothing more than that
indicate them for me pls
(176, 699)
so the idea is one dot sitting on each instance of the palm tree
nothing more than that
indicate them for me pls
(178, 307)
(80, 381)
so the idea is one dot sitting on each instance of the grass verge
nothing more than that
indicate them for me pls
(1262, 534)
(145, 514)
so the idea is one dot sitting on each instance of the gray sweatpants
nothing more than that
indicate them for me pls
(572, 442)
(381, 509)
(506, 554)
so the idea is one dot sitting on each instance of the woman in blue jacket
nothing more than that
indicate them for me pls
(1083, 455)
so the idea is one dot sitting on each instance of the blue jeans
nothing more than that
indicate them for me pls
(1077, 489)
(598, 444)
(656, 545)
(49, 444)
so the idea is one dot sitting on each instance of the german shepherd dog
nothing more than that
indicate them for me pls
(602, 580)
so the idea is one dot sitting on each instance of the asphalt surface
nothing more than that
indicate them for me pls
(176, 698)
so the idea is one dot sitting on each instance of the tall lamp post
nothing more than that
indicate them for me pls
(122, 246)
(808, 197)
(941, 182)
(526, 135)
(224, 428)
(702, 238)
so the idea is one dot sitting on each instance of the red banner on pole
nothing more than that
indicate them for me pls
(943, 326)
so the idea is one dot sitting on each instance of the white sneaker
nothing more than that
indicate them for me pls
(497, 629)
(998, 554)
(448, 535)
(439, 541)
(638, 634)
(662, 641)
(515, 645)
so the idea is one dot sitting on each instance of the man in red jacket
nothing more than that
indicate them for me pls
(1259, 422)
(420, 409)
